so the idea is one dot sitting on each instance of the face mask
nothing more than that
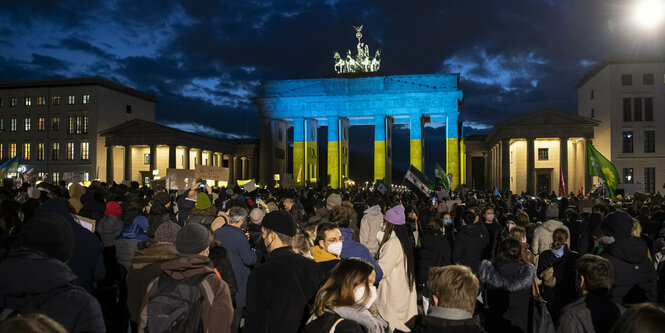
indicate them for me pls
(379, 236)
(489, 217)
(448, 222)
(335, 248)
(360, 293)
(511, 226)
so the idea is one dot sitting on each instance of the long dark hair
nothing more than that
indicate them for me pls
(402, 233)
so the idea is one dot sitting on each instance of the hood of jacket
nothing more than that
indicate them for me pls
(473, 230)
(551, 225)
(109, 227)
(76, 191)
(158, 252)
(374, 210)
(137, 230)
(509, 275)
(30, 272)
(187, 265)
(629, 249)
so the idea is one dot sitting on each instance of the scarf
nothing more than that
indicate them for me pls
(363, 317)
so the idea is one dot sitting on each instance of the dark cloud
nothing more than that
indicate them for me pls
(76, 44)
(48, 64)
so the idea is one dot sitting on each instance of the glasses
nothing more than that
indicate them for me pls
(335, 240)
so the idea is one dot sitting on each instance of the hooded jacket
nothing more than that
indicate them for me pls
(216, 310)
(542, 236)
(92, 209)
(75, 193)
(470, 244)
(241, 256)
(127, 241)
(353, 249)
(635, 279)
(370, 225)
(321, 216)
(87, 262)
(108, 228)
(508, 285)
(28, 274)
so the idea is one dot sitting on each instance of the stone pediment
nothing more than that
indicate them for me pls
(138, 126)
(548, 117)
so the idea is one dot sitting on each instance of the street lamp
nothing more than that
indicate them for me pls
(649, 13)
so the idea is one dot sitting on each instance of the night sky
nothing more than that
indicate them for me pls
(204, 59)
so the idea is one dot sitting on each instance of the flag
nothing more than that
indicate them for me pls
(382, 187)
(441, 177)
(603, 168)
(418, 181)
(25, 177)
(562, 183)
(249, 186)
(9, 166)
(496, 191)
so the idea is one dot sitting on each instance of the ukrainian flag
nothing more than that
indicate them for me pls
(9, 166)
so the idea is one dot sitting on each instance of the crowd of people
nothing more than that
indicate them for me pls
(118, 258)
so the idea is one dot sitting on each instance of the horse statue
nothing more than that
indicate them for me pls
(376, 61)
(350, 63)
(339, 62)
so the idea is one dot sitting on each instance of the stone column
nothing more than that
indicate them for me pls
(563, 161)
(333, 170)
(505, 165)
(172, 157)
(588, 180)
(128, 163)
(299, 167)
(237, 168)
(185, 158)
(153, 158)
(243, 167)
(232, 177)
(382, 148)
(530, 167)
(452, 148)
(109, 164)
(199, 157)
(417, 142)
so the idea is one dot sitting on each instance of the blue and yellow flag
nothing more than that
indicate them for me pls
(9, 166)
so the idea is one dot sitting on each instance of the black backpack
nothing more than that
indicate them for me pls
(176, 307)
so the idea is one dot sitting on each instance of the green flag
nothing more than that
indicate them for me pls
(603, 168)
(441, 176)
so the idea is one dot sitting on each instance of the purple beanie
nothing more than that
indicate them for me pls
(395, 215)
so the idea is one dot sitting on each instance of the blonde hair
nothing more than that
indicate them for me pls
(32, 322)
(339, 289)
(637, 229)
(455, 286)
(302, 242)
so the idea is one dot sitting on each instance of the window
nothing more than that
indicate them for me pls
(627, 142)
(55, 177)
(41, 151)
(55, 151)
(2, 125)
(12, 150)
(128, 108)
(626, 79)
(627, 116)
(71, 99)
(627, 175)
(2, 103)
(85, 148)
(13, 101)
(27, 101)
(85, 99)
(649, 141)
(26, 151)
(543, 154)
(591, 93)
(593, 113)
(26, 124)
(70, 150)
(72, 126)
(55, 123)
(78, 125)
(55, 100)
(84, 130)
(647, 79)
(41, 124)
(648, 108)
(650, 180)
(146, 159)
(12, 125)
(2, 151)
(41, 100)
(637, 101)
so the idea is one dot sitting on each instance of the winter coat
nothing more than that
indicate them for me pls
(354, 320)
(470, 244)
(370, 225)
(321, 216)
(396, 300)
(594, 312)
(146, 266)
(494, 230)
(241, 256)
(202, 216)
(108, 228)
(562, 271)
(542, 236)
(75, 193)
(508, 294)
(432, 324)
(216, 306)
(280, 292)
(434, 251)
(635, 280)
(185, 207)
(155, 219)
(126, 243)
(92, 209)
(220, 261)
(353, 249)
(26, 275)
(87, 261)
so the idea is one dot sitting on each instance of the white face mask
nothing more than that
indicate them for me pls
(360, 293)
(379, 236)
(335, 248)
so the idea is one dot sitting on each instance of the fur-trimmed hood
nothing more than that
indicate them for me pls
(512, 276)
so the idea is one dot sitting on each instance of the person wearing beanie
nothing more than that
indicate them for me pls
(370, 224)
(635, 279)
(279, 291)
(147, 265)
(109, 227)
(542, 236)
(187, 202)
(397, 299)
(36, 278)
(160, 207)
(333, 200)
(192, 243)
(87, 260)
(204, 212)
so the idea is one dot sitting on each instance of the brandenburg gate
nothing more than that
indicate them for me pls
(358, 94)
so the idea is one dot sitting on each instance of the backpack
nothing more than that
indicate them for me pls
(176, 306)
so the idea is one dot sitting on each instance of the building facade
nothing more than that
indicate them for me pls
(627, 97)
(53, 125)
